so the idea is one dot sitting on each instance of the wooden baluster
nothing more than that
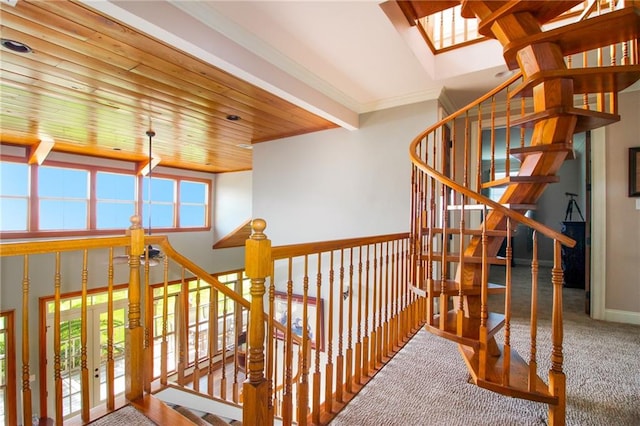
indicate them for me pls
(507, 311)
(196, 344)
(213, 341)
(237, 330)
(507, 148)
(483, 354)
(303, 385)
(460, 312)
(365, 339)
(183, 314)
(84, 370)
(522, 129)
(557, 379)
(329, 366)
(358, 361)
(56, 336)
(467, 150)
(380, 330)
(148, 326)
(533, 363)
(225, 344)
(454, 151)
(287, 397)
(134, 378)
(340, 357)
(479, 152)
(444, 247)
(492, 166)
(110, 327)
(441, 40)
(452, 27)
(374, 333)
(317, 378)
(26, 387)
(626, 60)
(257, 408)
(385, 326)
(349, 363)
(164, 345)
(395, 290)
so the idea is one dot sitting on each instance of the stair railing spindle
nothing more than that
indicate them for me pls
(317, 378)
(557, 379)
(533, 364)
(479, 151)
(483, 353)
(507, 310)
(83, 339)
(349, 359)
(329, 366)
(56, 336)
(492, 167)
(358, 360)
(110, 361)
(365, 339)
(303, 385)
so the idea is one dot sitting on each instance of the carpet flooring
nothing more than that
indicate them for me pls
(426, 382)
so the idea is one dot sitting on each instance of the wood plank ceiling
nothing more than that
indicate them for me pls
(94, 86)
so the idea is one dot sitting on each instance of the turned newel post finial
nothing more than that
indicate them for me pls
(257, 229)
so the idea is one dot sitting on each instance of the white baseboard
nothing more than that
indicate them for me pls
(625, 317)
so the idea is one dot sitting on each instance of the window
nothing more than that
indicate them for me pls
(115, 200)
(64, 198)
(14, 196)
(193, 204)
(60, 199)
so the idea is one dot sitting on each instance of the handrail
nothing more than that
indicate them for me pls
(519, 217)
(48, 246)
(292, 250)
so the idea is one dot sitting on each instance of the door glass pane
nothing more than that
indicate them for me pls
(118, 352)
(70, 366)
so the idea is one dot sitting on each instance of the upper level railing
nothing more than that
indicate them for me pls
(345, 304)
(447, 29)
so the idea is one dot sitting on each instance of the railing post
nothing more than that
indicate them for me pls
(134, 360)
(557, 379)
(256, 409)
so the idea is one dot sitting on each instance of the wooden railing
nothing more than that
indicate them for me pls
(447, 29)
(51, 276)
(354, 306)
(349, 302)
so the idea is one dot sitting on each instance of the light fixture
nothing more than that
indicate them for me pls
(233, 117)
(152, 253)
(15, 46)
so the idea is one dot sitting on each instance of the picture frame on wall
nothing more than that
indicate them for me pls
(634, 172)
(315, 314)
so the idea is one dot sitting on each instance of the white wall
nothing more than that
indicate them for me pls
(622, 295)
(339, 183)
(232, 202)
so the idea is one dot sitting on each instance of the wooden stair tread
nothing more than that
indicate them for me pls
(587, 119)
(599, 31)
(521, 152)
(471, 328)
(585, 80)
(509, 180)
(452, 289)
(478, 232)
(518, 385)
(455, 257)
(543, 11)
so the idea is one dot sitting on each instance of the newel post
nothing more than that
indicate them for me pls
(134, 361)
(256, 410)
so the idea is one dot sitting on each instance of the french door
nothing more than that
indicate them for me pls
(96, 356)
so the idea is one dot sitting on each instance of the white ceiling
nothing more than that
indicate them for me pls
(336, 58)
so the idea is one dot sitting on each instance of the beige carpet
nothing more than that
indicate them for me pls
(126, 415)
(426, 382)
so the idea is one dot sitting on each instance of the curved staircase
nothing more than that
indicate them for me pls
(568, 83)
